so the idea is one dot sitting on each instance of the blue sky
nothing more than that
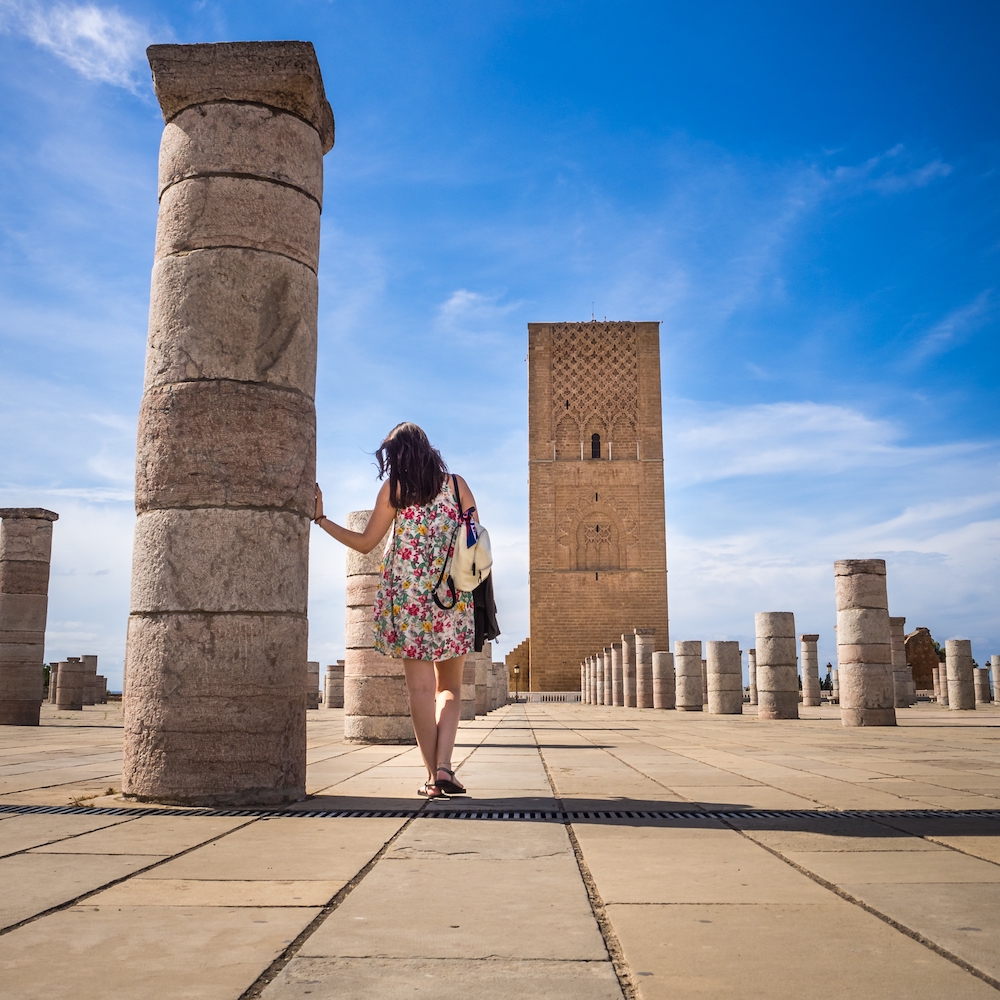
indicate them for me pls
(806, 195)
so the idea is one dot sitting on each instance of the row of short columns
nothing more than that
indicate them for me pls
(870, 682)
(75, 682)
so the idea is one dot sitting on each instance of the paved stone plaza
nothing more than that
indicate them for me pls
(743, 879)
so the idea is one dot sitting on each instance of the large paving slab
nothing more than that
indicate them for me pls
(120, 952)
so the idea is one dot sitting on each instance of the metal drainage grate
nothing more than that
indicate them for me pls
(529, 815)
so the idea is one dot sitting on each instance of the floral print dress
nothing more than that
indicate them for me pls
(408, 624)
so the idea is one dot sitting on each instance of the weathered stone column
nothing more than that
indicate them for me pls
(483, 663)
(704, 682)
(69, 694)
(225, 472)
(89, 680)
(53, 681)
(687, 667)
(752, 668)
(810, 671)
(995, 676)
(628, 669)
(864, 649)
(725, 678)
(941, 672)
(900, 672)
(600, 678)
(583, 682)
(333, 685)
(645, 643)
(777, 667)
(664, 684)
(617, 677)
(982, 682)
(376, 705)
(102, 690)
(835, 685)
(961, 674)
(593, 679)
(608, 675)
(312, 683)
(467, 710)
(25, 548)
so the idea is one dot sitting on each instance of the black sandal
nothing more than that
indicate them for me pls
(448, 786)
(428, 790)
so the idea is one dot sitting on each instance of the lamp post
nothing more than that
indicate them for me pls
(517, 684)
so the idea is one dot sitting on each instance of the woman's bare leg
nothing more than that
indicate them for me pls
(420, 685)
(448, 699)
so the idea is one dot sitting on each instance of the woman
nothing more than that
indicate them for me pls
(419, 501)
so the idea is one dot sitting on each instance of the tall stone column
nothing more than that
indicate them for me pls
(376, 705)
(810, 671)
(981, 677)
(995, 676)
(628, 669)
(725, 678)
(608, 675)
(687, 667)
(483, 662)
(864, 649)
(645, 643)
(593, 679)
(53, 682)
(25, 548)
(225, 471)
(69, 694)
(89, 679)
(901, 675)
(961, 674)
(941, 672)
(583, 682)
(835, 685)
(664, 684)
(312, 684)
(467, 709)
(333, 686)
(752, 668)
(777, 667)
(704, 682)
(617, 676)
(599, 659)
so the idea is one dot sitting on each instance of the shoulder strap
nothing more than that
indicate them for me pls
(458, 496)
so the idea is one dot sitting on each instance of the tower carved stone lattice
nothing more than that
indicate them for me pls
(598, 539)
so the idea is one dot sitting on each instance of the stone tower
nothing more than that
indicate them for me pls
(598, 553)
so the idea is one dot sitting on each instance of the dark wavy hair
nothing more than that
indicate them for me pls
(416, 469)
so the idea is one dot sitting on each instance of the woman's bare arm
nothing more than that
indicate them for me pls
(360, 541)
(466, 497)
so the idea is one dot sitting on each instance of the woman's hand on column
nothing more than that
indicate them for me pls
(318, 514)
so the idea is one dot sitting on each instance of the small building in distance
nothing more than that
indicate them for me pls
(922, 657)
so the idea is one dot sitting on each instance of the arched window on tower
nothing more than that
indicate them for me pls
(595, 445)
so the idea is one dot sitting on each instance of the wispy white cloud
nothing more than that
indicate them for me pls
(705, 444)
(955, 328)
(100, 43)
(890, 172)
